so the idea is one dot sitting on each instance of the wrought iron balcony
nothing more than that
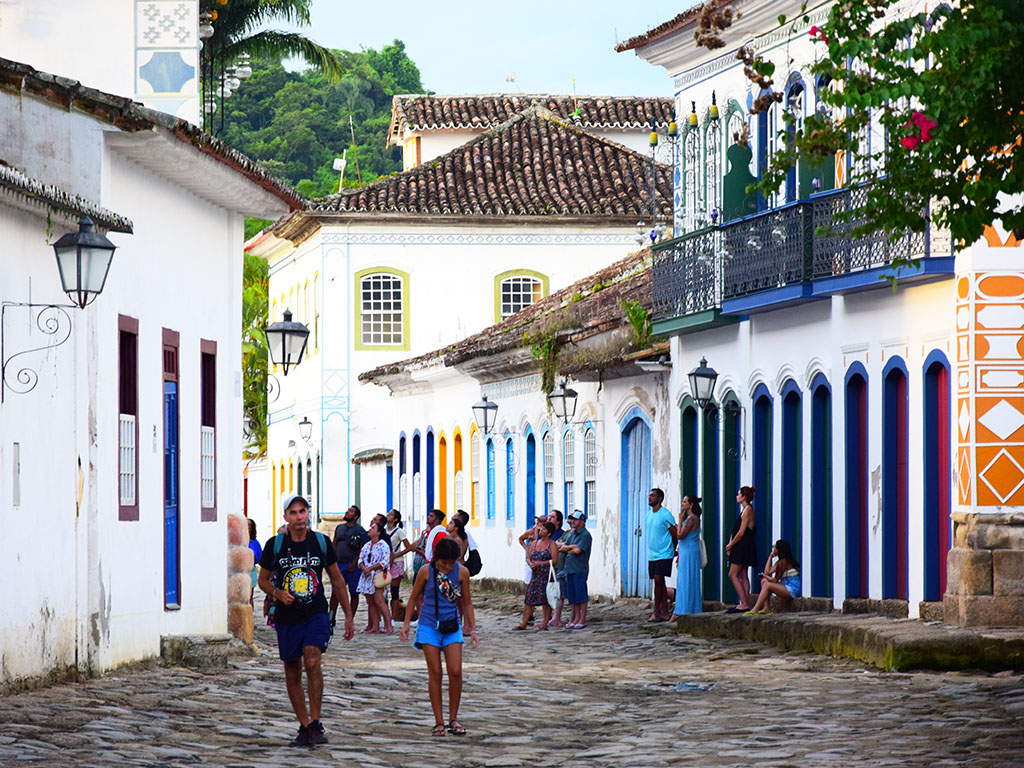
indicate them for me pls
(838, 252)
(686, 278)
(768, 250)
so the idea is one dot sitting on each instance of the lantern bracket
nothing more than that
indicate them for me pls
(52, 321)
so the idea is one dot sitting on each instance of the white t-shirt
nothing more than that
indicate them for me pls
(470, 540)
(397, 537)
(428, 550)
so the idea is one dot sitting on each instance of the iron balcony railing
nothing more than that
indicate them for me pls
(687, 275)
(836, 251)
(767, 250)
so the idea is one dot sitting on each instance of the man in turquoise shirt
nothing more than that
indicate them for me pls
(661, 548)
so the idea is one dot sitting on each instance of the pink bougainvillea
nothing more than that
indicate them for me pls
(923, 127)
(818, 34)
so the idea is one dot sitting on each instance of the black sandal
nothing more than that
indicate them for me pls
(456, 728)
(438, 730)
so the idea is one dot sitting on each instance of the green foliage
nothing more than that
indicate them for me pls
(296, 123)
(639, 319)
(945, 89)
(255, 284)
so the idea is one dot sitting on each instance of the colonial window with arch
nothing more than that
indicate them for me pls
(457, 467)
(381, 316)
(474, 473)
(796, 100)
(569, 469)
(690, 161)
(826, 171)
(767, 144)
(510, 479)
(713, 158)
(306, 307)
(316, 312)
(492, 499)
(590, 472)
(736, 201)
(548, 448)
(517, 289)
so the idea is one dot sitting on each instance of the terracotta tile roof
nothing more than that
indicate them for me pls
(588, 306)
(681, 20)
(423, 112)
(130, 116)
(536, 164)
(47, 197)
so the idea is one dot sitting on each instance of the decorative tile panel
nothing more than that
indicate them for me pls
(167, 56)
(164, 23)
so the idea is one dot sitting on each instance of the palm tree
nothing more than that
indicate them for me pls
(238, 27)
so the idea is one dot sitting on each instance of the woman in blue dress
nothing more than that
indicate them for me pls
(688, 591)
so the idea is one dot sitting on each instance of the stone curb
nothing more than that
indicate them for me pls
(896, 645)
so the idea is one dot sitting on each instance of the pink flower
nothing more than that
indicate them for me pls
(818, 33)
(924, 127)
(910, 142)
(813, 32)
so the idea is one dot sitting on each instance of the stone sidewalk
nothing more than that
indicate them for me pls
(621, 694)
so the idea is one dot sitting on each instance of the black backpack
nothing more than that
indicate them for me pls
(473, 562)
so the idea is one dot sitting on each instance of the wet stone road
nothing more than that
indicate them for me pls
(603, 697)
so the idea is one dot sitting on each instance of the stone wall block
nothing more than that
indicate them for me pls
(969, 572)
(239, 588)
(240, 621)
(994, 536)
(991, 611)
(240, 559)
(960, 535)
(238, 531)
(1008, 572)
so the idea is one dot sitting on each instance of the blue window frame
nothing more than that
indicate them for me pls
(491, 499)
(510, 480)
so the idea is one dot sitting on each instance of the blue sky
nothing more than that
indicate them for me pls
(469, 47)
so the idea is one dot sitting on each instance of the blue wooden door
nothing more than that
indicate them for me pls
(636, 484)
(531, 481)
(491, 498)
(172, 554)
(510, 482)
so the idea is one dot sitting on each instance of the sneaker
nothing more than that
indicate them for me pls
(302, 739)
(316, 733)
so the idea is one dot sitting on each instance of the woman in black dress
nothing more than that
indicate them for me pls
(741, 549)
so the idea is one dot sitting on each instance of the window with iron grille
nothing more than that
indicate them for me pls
(208, 431)
(381, 310)
(519, 292)
(590, 472)
(127, 421)
(548, 444)
(569, 470)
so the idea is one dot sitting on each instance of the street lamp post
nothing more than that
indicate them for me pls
(83, 260)
(563, 402)
(305, 429)
(286, 342)
(484, 413)
(702, 383)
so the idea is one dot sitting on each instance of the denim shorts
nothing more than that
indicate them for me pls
(792, 583)
(560, 578)
(576, 588)
(430, 635)
(314, 632)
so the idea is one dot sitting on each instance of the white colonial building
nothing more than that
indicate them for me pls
(120, 423)
(420, 260)
(879, 427)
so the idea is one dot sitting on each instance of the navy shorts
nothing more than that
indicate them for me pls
(560, 577)
(314, 632)
(576, 588)
(351, 577)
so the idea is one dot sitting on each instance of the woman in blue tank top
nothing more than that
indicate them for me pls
(447, 604)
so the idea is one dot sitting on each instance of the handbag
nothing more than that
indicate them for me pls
(553, 592)
(381, 579)
(703, 552)
(473, 562)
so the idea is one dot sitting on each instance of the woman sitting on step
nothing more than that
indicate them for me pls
(781, 578)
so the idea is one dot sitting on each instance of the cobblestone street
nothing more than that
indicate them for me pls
(605, 697)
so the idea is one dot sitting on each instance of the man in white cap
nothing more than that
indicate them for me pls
(291, 572)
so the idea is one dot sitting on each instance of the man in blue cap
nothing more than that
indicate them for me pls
(576, 545)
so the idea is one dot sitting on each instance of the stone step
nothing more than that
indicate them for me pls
(199, 651)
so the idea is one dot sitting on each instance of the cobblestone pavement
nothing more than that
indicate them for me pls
(606, 696)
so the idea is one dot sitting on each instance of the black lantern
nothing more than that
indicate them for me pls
(702, 383)
(286, 342)
(563, 402)
(484, 413)
(305, 428)
(83, 259)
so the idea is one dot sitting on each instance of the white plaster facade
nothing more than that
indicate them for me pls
(90, 581)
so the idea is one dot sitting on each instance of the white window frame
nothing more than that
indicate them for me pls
(126, 449)
(208, 466)
(518, 281)
(367, 312)
(569, 469)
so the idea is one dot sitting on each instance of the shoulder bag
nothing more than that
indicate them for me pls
(447, 626)
(553, 590)
(381, 579)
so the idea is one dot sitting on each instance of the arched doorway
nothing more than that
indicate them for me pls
(856, 423)
(821, 488)
(636, 484)
(937, 474)
(895, 488)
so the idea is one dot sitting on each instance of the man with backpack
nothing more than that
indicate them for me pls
(291, 572)
(473, 562)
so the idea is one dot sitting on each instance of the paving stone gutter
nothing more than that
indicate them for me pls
(890, 644)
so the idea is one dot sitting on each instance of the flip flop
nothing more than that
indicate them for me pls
(455, 728)
(518, 628)
(439, 730)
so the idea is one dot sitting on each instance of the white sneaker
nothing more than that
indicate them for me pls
(414, 623)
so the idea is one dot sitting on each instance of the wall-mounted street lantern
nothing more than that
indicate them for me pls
(305, 429)
(702, 383)
(83, 259)
(484, 413)
(563, 402)
(286, 342)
